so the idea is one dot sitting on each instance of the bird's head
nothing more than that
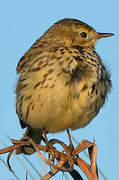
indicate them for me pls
(71, 32)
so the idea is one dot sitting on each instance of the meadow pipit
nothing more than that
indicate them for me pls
(62, 80)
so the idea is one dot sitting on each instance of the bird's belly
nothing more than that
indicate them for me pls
(62, 110)
(47, 109)
(58, 116)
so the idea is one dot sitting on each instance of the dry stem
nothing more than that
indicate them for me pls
(65, 159)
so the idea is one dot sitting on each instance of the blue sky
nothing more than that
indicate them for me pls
(21, 23)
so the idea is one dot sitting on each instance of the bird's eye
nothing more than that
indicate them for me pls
(83, 34)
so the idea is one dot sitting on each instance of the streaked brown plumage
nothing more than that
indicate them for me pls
(62, 80)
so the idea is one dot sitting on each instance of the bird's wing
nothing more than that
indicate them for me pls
(21, 64)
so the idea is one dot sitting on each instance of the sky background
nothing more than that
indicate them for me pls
(21, 23)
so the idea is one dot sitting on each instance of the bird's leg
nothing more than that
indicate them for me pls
(70, 147)
(70, 153)
(69, 136)
(46, 140)
(49, 145)
(45, 136)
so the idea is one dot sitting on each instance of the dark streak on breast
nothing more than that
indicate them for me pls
(28, 108)
(59, 57)
(36, 85)
(79, 48)
(52, 86)
(32, 107)
(46, 86)
(102, 96)
(59, 74)
(28, 97)
(22, 79)
(70, 62)
(35, 69)
(50, 71)
(67, 48)
(77, 58)
(93, 88)
(27, 112)
(84, 87)
(41, 104)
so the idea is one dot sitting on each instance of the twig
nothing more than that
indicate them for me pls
(53, 171)
(89, 171)
(85, 153)
(66, 159)
(75, 175)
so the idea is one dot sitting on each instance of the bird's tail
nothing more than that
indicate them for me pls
(36, 135)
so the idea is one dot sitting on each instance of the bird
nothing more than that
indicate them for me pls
(62, 81)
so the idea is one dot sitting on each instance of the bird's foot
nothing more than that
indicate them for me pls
(49, 146)
(71, 152)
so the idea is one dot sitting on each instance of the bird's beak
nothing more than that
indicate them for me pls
(104, 35)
